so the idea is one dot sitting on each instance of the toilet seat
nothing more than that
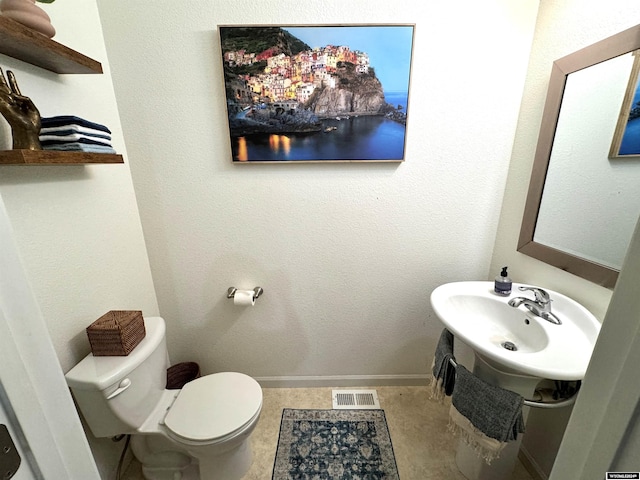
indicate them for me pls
(214, 407)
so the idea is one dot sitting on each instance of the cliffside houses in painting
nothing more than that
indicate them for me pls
(294, 77)
(291, 94)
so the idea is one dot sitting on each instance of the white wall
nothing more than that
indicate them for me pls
(563, 27)
(347, 254)
(603, 433)
(32, 386)
(77, 227)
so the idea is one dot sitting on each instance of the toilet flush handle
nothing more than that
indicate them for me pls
(124, 384)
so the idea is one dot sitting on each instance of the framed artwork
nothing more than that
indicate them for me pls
(317, 93)
(626, 138)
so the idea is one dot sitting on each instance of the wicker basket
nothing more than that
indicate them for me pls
(116, 333)
(182, 373)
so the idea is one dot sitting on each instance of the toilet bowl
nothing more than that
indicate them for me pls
(199, 432)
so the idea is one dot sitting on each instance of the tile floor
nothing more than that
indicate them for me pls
(423, 447)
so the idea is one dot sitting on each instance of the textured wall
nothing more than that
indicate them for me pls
(347, 254)
(563, 27)
(77, 227)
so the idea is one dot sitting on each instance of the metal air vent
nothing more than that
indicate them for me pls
(355, 399)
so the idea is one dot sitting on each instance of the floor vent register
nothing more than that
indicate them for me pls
(355, 399)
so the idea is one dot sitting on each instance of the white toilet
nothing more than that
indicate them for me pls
(198, 432)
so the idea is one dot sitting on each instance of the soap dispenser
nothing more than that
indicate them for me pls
(502, 284)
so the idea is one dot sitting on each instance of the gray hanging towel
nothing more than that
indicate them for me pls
(443, 372)
(486, 416)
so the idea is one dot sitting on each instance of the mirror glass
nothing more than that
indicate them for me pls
(590, 204)
(582, 205)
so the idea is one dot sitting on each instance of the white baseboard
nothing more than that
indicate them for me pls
(531, 465)
(344, 381)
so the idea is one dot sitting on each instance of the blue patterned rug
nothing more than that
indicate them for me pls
(334, 445)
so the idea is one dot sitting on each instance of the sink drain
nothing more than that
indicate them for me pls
(509, 346)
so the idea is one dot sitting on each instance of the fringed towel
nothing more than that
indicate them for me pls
(486, 416)
(443, 372)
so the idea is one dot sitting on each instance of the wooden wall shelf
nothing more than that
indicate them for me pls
(24, 44)
(52, 157)
(20, 42)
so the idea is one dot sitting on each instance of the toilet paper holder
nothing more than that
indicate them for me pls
(232, 291)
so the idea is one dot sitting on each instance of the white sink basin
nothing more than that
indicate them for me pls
(485, 321)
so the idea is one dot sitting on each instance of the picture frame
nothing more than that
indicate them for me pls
(317, 93)
(626, 137)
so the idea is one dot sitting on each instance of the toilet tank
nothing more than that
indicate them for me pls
(116, 394)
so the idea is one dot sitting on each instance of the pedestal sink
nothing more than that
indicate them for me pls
(514, 349)
(485, 321)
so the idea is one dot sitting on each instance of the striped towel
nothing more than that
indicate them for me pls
(74, 134)
(443, 372)
(485, 416)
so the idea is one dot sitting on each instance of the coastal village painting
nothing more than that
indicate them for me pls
(330, 93)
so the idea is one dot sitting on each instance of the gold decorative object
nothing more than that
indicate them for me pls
(21, 113)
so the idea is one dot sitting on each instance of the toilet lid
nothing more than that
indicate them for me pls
(214, 406)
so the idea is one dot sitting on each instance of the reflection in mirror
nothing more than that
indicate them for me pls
(579, 171)
(626, 139)
(582, 206)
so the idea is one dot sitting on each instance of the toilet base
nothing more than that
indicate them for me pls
(230, 465)
(161, 461)
(190, 472)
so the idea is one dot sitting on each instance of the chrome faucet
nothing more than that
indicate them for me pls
(540, 307)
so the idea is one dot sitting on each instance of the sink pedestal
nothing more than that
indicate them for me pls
(501, 468)
(492, 326)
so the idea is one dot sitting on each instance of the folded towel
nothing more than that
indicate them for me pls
(443, 371)
(63, 120)
(75, 130)
(85, 140)
(79, 147)
(74, 137)
(486, 416)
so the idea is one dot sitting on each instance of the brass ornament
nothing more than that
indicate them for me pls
(21, 113)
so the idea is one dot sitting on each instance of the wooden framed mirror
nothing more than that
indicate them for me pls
(571, 259)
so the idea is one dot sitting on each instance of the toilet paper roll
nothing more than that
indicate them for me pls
(244, 298)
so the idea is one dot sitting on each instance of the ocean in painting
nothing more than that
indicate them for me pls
(373, 138)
